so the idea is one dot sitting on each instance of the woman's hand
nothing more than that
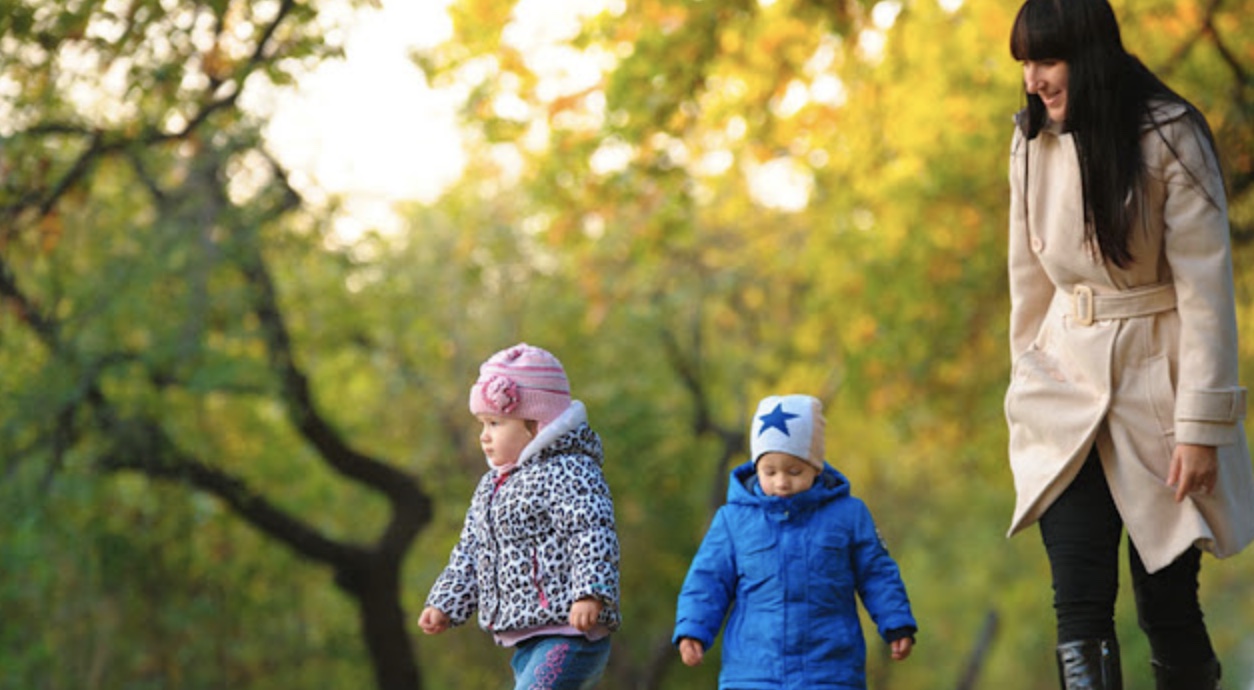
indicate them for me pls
(1193, 468)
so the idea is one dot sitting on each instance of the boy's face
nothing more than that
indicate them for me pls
(781, 474)
(503, 438)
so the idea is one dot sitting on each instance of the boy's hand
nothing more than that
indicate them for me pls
(691, 651)
(901, 648)
(584, 613)
(433, 621)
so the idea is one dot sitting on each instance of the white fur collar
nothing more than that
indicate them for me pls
(566, 422)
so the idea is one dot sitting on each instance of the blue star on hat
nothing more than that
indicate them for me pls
(776, 419)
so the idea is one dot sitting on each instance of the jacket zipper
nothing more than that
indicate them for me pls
(496, 562)
(535, 578)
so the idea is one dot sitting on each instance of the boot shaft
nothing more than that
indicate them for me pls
(1204, 676)
(1090, 665)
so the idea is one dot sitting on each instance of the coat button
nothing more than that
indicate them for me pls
(1037, 244)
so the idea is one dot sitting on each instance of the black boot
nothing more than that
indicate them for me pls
(1090, 665)
(1203, 676)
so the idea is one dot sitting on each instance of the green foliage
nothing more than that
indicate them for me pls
(131, 584)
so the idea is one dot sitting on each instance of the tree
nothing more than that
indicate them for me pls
(142, 218)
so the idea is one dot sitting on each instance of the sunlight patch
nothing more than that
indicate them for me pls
(782, 184)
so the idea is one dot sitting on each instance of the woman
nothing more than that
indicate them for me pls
(1124, 407)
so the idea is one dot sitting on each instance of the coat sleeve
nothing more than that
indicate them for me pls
(1209, 400)
(456, 590)
(879, 582)
(1031, 290)
(583, 510)
(710, 586)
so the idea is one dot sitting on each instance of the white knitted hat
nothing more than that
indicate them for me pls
(790, 424)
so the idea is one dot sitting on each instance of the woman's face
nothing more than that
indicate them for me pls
(1048, 80)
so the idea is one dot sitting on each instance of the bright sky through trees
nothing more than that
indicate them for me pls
(370, 129)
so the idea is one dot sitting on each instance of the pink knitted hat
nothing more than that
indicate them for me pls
(524, 382)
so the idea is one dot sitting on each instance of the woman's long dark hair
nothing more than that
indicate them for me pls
(1109, 102)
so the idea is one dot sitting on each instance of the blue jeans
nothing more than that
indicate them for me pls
(555, 662)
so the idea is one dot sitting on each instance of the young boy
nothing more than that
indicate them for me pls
(787, 554)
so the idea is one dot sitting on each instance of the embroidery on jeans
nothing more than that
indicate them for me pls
(551, 669)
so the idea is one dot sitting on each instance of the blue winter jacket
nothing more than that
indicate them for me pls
(788, 570)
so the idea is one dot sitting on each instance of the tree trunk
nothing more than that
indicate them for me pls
(376, 587)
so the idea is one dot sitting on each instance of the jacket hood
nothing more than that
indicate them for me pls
(568, 433)
(743, 489)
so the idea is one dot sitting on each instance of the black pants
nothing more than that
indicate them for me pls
(1081, 531)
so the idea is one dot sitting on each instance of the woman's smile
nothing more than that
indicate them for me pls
(1047, 79)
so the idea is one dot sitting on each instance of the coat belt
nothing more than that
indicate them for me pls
(1088, 306)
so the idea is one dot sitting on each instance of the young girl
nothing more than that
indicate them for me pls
(538, 554)
(1124, 406)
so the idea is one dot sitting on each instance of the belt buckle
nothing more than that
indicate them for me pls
(1082, 305)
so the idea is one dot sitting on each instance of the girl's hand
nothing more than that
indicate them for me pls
(433, 621)
(1193, 468)
(691, 651)
(901, 648)
(584, 613)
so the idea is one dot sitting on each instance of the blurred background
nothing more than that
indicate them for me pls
(252, 254)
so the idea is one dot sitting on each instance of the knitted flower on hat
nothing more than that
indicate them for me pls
(790, 424)
(524, 382)
(501, 394)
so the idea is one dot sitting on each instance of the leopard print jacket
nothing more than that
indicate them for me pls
(538, 539)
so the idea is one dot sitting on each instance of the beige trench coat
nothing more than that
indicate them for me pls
(1133, 360)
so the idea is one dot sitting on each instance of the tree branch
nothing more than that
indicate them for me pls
(1182, 51)
(731, 441)
(45, 328)
(101, 146)
(401, 488)
(143, 446)
(1230, 58)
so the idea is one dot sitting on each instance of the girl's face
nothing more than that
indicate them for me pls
(503, 438)
(1048, 80)
(781, 474)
